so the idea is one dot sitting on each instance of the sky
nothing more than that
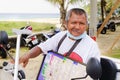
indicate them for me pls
(27, 6)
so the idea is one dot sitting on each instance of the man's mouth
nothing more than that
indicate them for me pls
(76, 31)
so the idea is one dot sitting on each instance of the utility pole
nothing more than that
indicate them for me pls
(93, 19)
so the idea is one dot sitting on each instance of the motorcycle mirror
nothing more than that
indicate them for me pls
(94, 69)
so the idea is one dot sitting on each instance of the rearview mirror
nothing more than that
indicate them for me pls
(93, 68)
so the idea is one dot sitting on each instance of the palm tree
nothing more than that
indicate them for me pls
(63, 6)
(106, 6)
(103, 9)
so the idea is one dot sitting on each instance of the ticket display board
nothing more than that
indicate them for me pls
(58, 67)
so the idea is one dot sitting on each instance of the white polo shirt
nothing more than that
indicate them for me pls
(85, 49)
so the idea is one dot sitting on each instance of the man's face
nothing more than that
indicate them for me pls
(76, 24)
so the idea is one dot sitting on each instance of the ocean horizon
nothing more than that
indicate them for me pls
(6, 16)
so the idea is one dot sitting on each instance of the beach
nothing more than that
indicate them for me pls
(32, 69)
(31, 17)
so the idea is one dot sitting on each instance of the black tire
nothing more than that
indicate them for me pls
(4, 42)
(112, 26)
(3, 53)
(3, 37)
(113, 29)
(21, 75)
(104, 31)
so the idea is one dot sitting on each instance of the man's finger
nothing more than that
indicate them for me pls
(25, 63)
(12, 61)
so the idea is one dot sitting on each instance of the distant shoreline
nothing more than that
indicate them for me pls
(41, 20)
(33, 17)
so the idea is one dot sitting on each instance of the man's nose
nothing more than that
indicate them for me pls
(77, 25)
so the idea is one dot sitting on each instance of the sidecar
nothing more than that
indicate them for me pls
(58, 67)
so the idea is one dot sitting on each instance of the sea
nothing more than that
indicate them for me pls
(7, 16)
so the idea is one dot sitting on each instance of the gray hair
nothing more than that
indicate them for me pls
(77, 11)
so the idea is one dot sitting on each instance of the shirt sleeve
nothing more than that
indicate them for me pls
(51, 43)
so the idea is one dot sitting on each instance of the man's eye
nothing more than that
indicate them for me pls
(81, 23)
(73, 22)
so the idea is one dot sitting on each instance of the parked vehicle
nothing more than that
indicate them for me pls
(104, 30)
(109, 26)
(4, 45)
(50, 34)
(29, 40)
(112, 26)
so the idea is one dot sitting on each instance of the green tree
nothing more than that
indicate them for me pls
(103, 9)
(106, 6)
(63, 6)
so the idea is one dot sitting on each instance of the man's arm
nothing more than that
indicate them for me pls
(34, 52)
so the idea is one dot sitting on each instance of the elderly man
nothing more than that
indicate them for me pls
(73, 43)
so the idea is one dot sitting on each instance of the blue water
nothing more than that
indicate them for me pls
(6, 16)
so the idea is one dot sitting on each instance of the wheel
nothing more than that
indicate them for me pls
(104, 31)
(3, 53)
(113, 29)
(3, 37)
(112, 26)
(21, 75)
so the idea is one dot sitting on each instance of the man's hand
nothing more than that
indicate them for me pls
(24, 60)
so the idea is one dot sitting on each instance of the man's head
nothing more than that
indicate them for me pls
(76, 21)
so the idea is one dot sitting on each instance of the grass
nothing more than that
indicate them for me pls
(36, 26)
(115, 53)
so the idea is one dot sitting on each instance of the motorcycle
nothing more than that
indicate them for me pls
(29, 40)
(48, 35)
